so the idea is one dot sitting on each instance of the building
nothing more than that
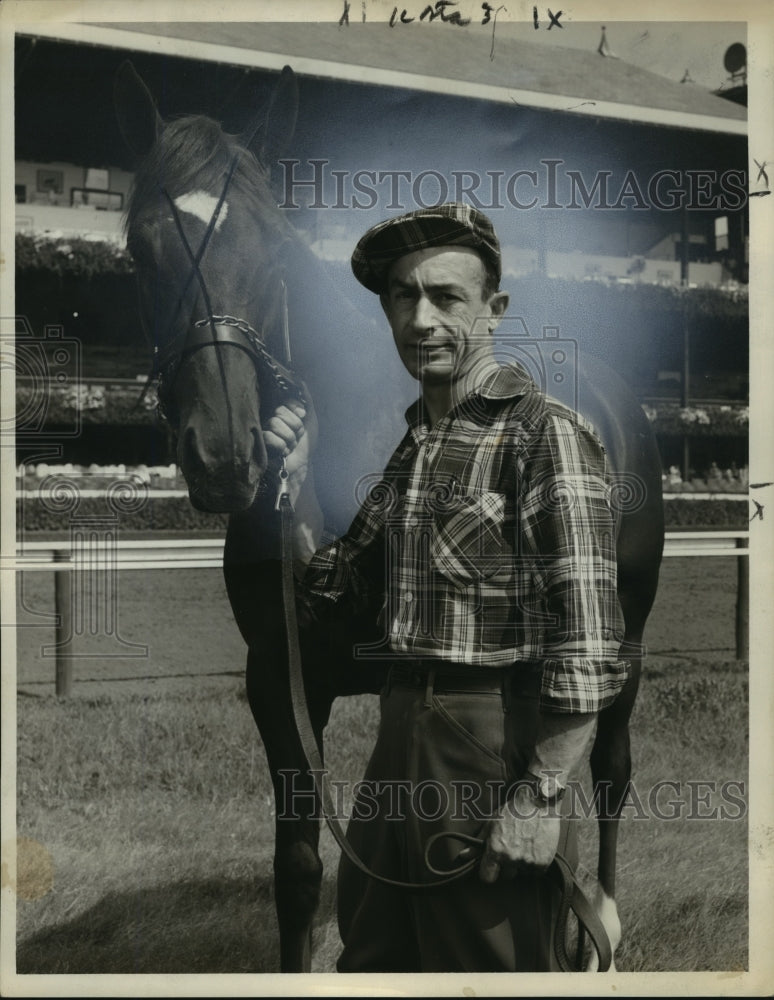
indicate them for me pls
(604, 180)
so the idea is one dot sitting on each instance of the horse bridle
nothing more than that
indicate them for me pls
(221, 329)
(233, 332)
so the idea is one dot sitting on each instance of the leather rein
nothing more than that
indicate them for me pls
(221, 330)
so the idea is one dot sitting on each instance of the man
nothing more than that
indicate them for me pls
(488, 554)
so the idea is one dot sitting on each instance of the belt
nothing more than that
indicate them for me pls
(446, 676)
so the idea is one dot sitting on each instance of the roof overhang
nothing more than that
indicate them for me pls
(205, 41)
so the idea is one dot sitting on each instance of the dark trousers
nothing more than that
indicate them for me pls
(438, 764)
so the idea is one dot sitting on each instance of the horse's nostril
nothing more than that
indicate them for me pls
(219, 478)
(189, 453)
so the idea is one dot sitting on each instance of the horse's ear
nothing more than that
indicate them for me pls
(280, 118)
(138, 119)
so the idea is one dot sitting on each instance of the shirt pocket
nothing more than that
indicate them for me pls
(467, 543)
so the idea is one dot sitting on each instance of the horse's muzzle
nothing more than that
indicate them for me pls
(233, 501)
(221, 486)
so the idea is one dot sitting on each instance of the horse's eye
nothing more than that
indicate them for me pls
(133, 248)
(139, 242)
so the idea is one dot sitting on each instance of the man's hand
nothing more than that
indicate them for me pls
(525, 833)
(291, 433)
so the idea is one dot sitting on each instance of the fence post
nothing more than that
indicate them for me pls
(63, 606)
(742, 602)
(87, 606)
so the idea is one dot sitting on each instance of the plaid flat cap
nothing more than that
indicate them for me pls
(453, 224)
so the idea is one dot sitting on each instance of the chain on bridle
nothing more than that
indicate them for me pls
(235, 332)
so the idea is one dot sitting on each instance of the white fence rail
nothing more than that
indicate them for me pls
(107, 555)
(706, 543)
(207, 553)
(151, 553)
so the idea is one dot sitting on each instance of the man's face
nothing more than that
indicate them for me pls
(439, 317)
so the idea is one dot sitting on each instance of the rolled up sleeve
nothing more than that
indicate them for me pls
(569, 528)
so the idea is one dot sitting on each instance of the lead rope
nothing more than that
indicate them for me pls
(301, 709)
(572, 896)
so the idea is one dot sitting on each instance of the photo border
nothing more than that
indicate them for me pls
(57, 16)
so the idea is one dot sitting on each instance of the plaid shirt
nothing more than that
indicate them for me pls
(490, 541)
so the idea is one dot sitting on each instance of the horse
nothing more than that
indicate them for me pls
(222, 276)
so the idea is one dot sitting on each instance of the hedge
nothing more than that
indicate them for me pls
(78, 257)
(177, 514)
(89, 288)
(120, 405)
(152, 514)
(93, 403)
(727, 302)
(705, 514)
(699, 419)
(81, 257)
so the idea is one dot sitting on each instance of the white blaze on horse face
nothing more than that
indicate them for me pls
(202, 205)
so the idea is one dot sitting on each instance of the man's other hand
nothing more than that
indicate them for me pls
(526, 833)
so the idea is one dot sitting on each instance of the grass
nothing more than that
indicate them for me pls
(683, 882)
(161, 836)
(150, 804)
(158, 817)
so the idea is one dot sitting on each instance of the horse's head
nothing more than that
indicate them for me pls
(207, 239)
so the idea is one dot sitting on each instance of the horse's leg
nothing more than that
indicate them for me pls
(297, 865)
(253, 581)
(611, 768)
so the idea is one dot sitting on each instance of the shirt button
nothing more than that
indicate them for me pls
(408, 597)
